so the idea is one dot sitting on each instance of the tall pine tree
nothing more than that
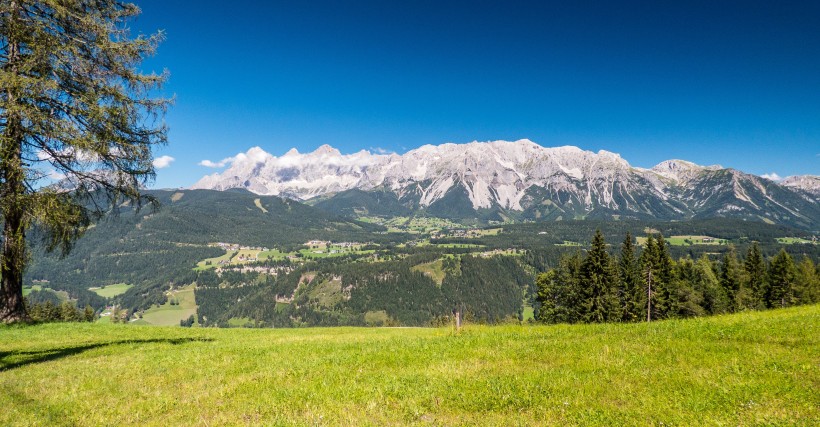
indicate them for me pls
(755, 267)
(782, 275)
(663, 274)
(730, 278)
(597, 283)
(807, 282)
(73, 102)
(631, 296)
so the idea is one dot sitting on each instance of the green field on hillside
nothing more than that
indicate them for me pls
(754, 368)
(111, 291)
(795, 241)
(687, 240)
(170, 314)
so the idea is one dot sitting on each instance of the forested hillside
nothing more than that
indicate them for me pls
(155, 249)
(249, 260)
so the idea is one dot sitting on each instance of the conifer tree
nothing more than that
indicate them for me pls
(74, 104)
(782, 274)
(730, 278)
(715, 300)
(755, 267)
(687, 299)
(632, 299)
(68, 312)
(559, 292)
(548, 296)
(648, 263)
(597, 282)
(662, 275)
(807, 282)
(88, 314)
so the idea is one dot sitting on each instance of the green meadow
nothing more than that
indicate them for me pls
(170, 314)
(111, 291)
(754, 368)
(794, 241)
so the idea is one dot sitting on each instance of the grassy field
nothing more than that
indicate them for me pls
(433, 270)
(687, 240)
(209, 263)
(745, 369)
(170, 315)
(111, 291)
(27, 290)
(62, 295)
(794, 241)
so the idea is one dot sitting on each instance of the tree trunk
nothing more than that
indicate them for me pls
(12, 308)
(12, 191)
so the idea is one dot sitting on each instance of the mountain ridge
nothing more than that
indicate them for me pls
(523, 180)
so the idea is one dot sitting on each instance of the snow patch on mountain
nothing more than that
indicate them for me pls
(500, 174)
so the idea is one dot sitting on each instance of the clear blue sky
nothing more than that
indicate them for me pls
(734, 83)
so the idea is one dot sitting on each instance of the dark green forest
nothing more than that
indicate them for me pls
(489, 277)
(648, 284)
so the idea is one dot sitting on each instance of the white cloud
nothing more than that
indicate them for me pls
(220, 164)
(163, 162)
(56, 176)
(255, 154)
(772, 176)
(380, 150)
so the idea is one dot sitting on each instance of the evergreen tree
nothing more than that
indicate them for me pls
(706, 282)
(782, 274)
(730, 277)
(807, 286)
(687, 299)
(88, 314)
(665, 277)
(657, 267)
(74, 102)
(632, 299)
(548, 296)
(648, 263)
(755, 267)
(597, 282)
(559, 291)
(68, 312)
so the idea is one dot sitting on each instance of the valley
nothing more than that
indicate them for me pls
(293, 264)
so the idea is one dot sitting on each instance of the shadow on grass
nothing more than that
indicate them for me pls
(15, 359)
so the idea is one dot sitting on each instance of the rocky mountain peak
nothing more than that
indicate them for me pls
(522, 176)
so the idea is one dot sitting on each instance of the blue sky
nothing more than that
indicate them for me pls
(731, 83)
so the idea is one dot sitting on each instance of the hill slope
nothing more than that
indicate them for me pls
(745, 369)
(153, 250)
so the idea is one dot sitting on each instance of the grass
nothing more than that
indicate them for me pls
(239, 322)
(458, 245)
(686, 240)
(794, 241)
(27, 290)
(433, 270)
(274, 255)
(327, 293)
(111, 291)
(747, 369)
(61, 295)
(170, 315)
(214, 262)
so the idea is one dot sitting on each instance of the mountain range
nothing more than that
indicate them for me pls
(520, 180)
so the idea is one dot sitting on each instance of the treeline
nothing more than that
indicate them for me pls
(648, 284)
(66, 311)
